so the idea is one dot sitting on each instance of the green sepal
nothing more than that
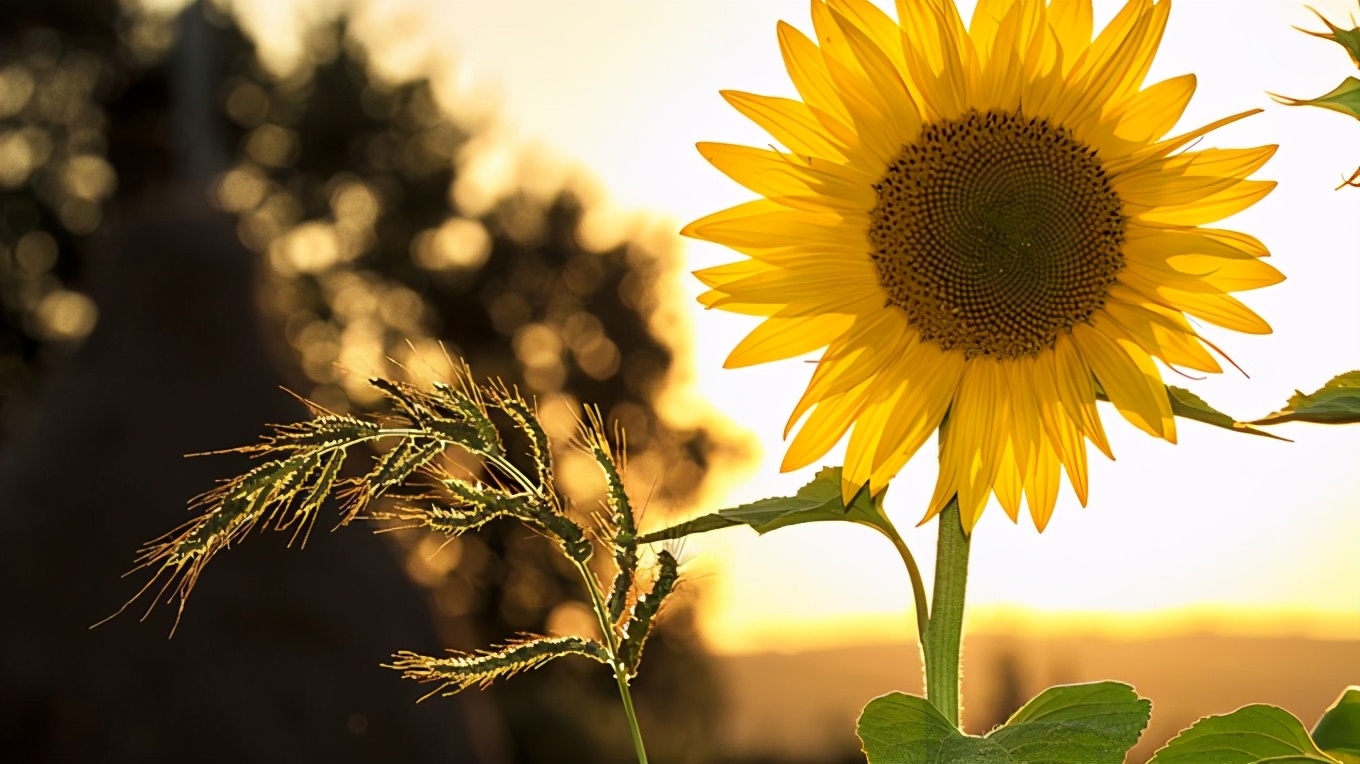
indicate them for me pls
(1345, 98)
(1346, 38)
(1250, 735)
(817, 501)
(1073, 724)
(1337, 402)
(1338, 731)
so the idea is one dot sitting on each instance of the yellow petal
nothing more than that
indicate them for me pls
(866, 349)
(1041, 486)
(929, 380)
(824, 428)
(1071, 23)
(859, 453)
(1009, 483)
(1115, 54)
(1215, 206)
(1128, 376)
(1072, 377)
(1170, 145)
(1147, 191)
(809, 283)
(1152, 113)
(719, 275)
(783, 178)
(898, 112)
(779, 338)
(1218, 309)
(1159, 245)
(982, 28)
(974, 438)
(790, 122)
(878, 137)
(808, 72)
(1152, 333)
(1242, 242)
(1228, 275)
(874, 23)
(1067, 444)
(766, 224)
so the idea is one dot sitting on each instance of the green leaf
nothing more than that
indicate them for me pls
(1076, 724)
(904, 729)
(1338, 731)
(1190, 406)
(1337, 402)
(817, 501)
(1251, 734)
(1345, 99)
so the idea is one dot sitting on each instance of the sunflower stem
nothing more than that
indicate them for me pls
(918, 587)
(944, 630)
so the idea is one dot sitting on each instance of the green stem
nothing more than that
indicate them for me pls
(918, 587)
(944, 633)
(622, 679)
(611, 642)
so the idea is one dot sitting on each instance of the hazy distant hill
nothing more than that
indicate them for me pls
(802, 707)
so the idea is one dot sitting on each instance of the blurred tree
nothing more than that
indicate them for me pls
(388, 228)
(385, 227)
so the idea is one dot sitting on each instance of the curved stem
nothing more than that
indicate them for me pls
(611, 643)
(918, 587)
(944, 632)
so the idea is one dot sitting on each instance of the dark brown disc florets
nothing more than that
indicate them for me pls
(995, 232)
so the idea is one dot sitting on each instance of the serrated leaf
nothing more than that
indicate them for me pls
(1187, 405)
(1076, 724)
(1337, 402)
(1251, 734)
(898, 728)
(1338, 731)
(1345, 98)
(817, 501)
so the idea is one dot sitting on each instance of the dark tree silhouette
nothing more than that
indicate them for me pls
(372, 245)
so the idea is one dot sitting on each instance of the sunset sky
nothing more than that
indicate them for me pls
(1241, 530)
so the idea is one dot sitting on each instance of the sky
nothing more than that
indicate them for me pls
(1221, 529)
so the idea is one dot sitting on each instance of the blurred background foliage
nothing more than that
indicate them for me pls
(170, 202)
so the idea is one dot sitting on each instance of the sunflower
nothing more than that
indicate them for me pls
(986, 228)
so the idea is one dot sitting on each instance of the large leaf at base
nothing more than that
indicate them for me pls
(817, 501)
(1337, 402)
(1338, 731)
(1076, 724)
(1251, 734)
(904, 728)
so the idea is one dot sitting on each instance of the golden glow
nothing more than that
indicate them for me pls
(1220, 522)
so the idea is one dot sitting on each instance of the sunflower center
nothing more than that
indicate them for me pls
(995, 232)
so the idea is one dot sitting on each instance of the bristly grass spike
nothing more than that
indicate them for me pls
(299, 469)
